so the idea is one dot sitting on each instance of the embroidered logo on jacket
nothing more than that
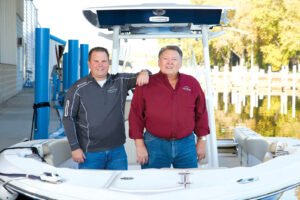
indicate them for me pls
(67, 108)
(112, 89)
(187, 88)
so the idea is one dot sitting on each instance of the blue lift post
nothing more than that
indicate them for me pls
(56, 77)
(65, 72)
(84, 54)
(55, 86)
(58, 85)
(42, 82)
(70, 75)
(73, 61)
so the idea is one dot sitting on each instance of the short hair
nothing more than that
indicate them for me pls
(98, 49)
(170, 47)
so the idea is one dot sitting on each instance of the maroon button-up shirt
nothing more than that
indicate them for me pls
(167, 112)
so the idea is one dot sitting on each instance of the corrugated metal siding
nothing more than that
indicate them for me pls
(30, 23)
(8, 32)
(20, 9)
(20, 49)
(7, 81)
(8, 49)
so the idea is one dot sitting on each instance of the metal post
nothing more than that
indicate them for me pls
(73, 61)
(65, 72)
(225, 94)
(294, 92)
(269, 86)
(209, 100)
(115, 50)
(84, 53)
(58, 85)
(252, 54)
(42, 82)
(55, 86)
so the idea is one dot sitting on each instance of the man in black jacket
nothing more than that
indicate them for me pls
(94, 114)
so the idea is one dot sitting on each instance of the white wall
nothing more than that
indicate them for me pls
(8, 32)
(8, 49)
(20, 56)
(30, 23)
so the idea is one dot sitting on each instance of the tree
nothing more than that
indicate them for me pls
(270, 24)
(290, 37)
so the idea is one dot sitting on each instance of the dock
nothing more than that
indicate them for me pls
(16, 118)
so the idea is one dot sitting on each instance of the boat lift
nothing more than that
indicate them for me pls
(154, 21)
(49, 47)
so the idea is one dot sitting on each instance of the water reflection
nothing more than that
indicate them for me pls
(267, 122)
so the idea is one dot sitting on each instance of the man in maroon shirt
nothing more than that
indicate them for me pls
(172, 108)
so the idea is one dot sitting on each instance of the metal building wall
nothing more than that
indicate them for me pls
(11, 19)
(20, 54)
(8, 49)
(30, 23)
(8, 32)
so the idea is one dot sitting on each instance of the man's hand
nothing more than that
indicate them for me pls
(78, 156)
(143, 78)
(141, 152)
(201, 149)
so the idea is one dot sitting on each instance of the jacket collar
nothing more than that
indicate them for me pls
(90, 77)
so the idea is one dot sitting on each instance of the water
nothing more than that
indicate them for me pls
(267, 122)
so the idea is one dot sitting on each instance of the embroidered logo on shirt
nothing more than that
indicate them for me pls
(187, 88)
(112, 89)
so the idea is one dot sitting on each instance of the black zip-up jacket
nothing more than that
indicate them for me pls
(94, 115)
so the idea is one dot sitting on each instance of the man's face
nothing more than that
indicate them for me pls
(170, 62)
(99, 65)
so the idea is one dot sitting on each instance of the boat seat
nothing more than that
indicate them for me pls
(129, 146)
(127, 109)
(241, 134)
(264, 148)
(56, 151)
(258, 147)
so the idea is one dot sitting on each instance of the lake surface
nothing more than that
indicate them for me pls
(267, 122)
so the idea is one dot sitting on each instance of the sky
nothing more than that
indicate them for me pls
(66, 21)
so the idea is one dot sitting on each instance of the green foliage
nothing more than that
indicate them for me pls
(274, 108)
(272, 25)
(266, 127)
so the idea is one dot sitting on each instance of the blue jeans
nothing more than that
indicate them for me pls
(115, 159)
(162, 153)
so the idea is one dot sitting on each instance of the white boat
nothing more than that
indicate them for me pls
(249, 166)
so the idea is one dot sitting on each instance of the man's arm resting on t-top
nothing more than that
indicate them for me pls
(143, 78)
(134, 79)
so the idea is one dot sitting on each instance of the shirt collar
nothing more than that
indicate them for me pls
(166, 81)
